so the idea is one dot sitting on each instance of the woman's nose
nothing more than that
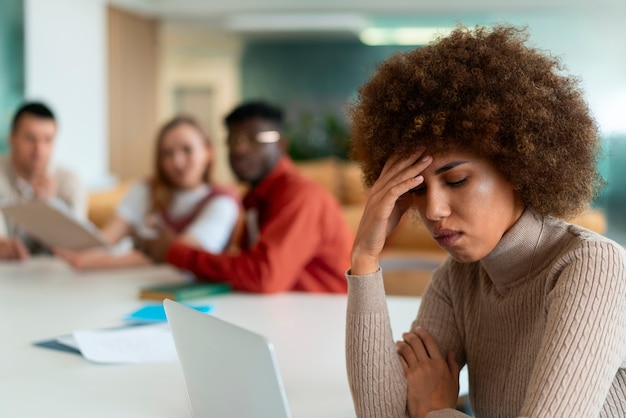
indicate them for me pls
(179, 159)
(437, 205)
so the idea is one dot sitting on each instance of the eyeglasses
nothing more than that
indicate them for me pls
(264, 137)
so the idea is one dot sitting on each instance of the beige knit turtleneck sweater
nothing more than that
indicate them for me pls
(540, 322)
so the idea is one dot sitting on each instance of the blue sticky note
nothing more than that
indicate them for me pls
(156, 313)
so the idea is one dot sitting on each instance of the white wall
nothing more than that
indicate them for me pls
(194, 57)
(592, 46)
(65, 60)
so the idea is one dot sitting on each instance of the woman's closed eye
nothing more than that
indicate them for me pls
(421, 189)
(457, 183)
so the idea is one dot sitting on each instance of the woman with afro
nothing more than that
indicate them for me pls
(492, 145)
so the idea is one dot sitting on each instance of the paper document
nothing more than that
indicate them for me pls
(68, 341)
(143, 344)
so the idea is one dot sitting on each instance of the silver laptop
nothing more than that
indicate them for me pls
(229, 371)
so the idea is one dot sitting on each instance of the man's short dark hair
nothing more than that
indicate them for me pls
(255, 109)
(37, 109)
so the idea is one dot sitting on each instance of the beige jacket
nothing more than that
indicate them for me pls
(70, 193)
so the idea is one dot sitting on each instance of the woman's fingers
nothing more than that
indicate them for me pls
(429, 343)
(399, 175)
(412, 349)
(398, 162)
(432, 380)
(418, 346)
(398, 171)
(405, 365)
(407, 354)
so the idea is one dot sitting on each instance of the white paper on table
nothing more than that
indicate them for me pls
(68, 340)
(141, 344)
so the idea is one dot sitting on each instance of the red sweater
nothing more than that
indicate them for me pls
(303, 244)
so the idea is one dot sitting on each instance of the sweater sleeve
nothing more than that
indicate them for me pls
(583, 345)
(288, 241)
(438, 315)
(375, 374)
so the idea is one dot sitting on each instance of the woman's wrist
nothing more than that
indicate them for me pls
(362, 265)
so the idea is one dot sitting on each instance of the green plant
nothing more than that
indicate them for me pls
(313, 135)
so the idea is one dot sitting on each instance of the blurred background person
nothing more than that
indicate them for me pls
(180, 197)
(26, 173)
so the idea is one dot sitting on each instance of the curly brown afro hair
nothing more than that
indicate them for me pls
(484, 90)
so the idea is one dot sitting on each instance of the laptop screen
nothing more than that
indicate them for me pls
(229, 371)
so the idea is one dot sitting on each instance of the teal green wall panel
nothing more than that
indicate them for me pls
(313, 81)
(11, 63)
(314, 69)
(612, 200)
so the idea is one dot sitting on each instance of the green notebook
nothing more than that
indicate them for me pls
(183, 291)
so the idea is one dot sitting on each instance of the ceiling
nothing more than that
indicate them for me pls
(349, 16)
(211, 8)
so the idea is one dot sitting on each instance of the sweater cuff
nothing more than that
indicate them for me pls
(366, 293)
(447, 413)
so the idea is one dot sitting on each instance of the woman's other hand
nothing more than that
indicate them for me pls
(386, 203)
(99, 258)
(86, 259)
(156, 248)
(432, 379)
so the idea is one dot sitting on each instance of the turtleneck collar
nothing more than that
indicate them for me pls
(512, 259)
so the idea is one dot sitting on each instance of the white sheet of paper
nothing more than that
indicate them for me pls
(141, 344)
(68, 340)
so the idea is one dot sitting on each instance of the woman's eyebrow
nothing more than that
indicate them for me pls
(449, 166)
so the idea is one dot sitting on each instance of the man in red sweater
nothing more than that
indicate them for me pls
(295, 238)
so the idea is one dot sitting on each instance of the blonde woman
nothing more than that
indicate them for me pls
(180, 197)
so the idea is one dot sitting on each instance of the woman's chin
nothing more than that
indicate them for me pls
(187, 184)
(463, 257)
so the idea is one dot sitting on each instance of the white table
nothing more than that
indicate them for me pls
(44, 298)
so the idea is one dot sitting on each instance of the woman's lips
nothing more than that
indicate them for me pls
(446, 238)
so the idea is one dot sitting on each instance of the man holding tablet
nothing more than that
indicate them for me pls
(26, 174)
